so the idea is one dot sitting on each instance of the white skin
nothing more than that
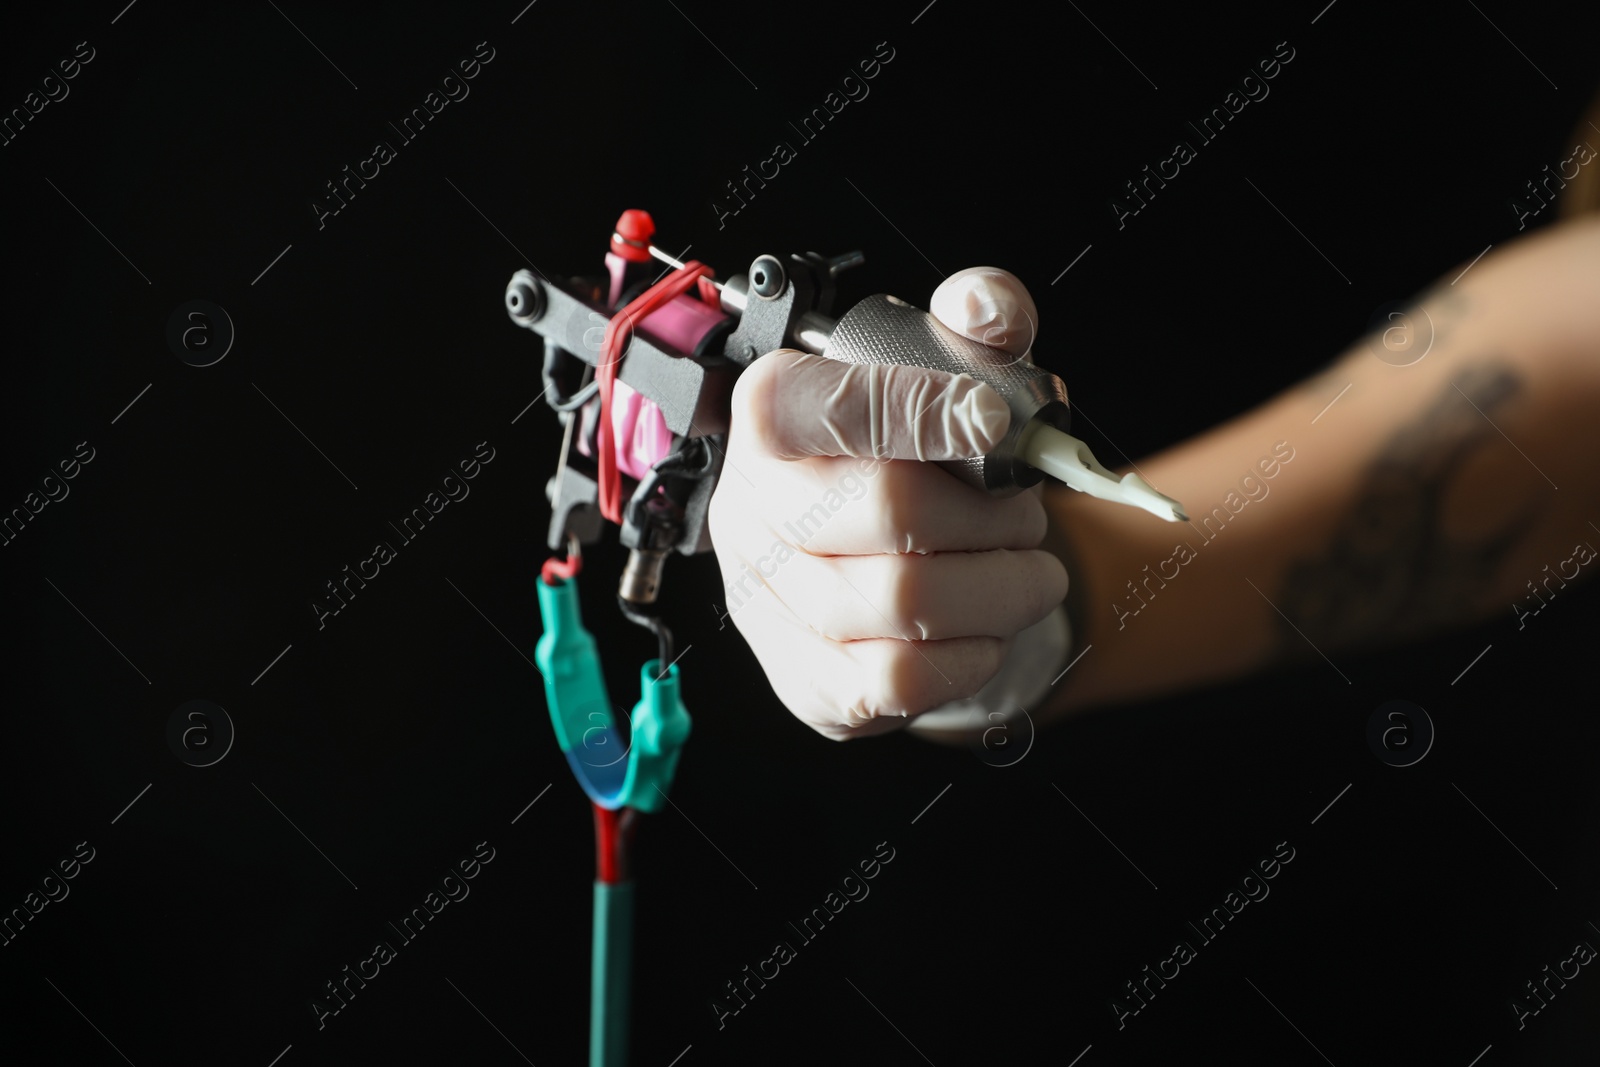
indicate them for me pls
(905, 588)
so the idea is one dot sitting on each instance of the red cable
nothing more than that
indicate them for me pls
(555, 571)
(613, 833)
(617, 330)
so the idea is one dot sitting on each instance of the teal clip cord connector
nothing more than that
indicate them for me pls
(660, 727)
(580, 711)
(614, 778)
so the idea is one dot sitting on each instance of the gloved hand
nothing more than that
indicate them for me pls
(873, 587)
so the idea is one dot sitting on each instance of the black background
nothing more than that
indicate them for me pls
(407, 730)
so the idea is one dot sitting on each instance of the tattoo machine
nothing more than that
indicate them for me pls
(640, 366)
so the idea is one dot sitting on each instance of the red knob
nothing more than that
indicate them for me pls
(631, 240)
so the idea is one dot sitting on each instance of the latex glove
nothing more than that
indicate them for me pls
(873, 587)
(992, 306)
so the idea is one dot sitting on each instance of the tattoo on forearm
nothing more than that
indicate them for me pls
(1389, 571)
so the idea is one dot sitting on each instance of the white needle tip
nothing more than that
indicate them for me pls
(1069, 459)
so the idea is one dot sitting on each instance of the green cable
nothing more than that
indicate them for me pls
(612, 964)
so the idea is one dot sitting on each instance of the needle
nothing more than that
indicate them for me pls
(1069, 459)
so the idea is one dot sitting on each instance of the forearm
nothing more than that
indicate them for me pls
(1423, 496)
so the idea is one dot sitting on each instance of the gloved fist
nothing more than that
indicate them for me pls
(872, 585)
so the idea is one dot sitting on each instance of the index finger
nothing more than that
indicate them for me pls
(800, 405)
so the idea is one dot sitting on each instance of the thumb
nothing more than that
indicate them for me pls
(990, 306)
(799, 405)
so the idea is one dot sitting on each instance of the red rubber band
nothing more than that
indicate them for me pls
(617, 330)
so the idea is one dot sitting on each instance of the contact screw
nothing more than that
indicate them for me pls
(641, 577)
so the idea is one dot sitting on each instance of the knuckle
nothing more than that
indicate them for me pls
(752, 402)
(1053, 586)
(1040, 583)
(1060, 581)
(1034, 523)
(821, 612)
(852, 716)
(849, 712)
(899, 677)
(884, 676)
(834, 731)
(989, 655)
(1028, 583)
(825, 624)
(902, 592)
(898, 513)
